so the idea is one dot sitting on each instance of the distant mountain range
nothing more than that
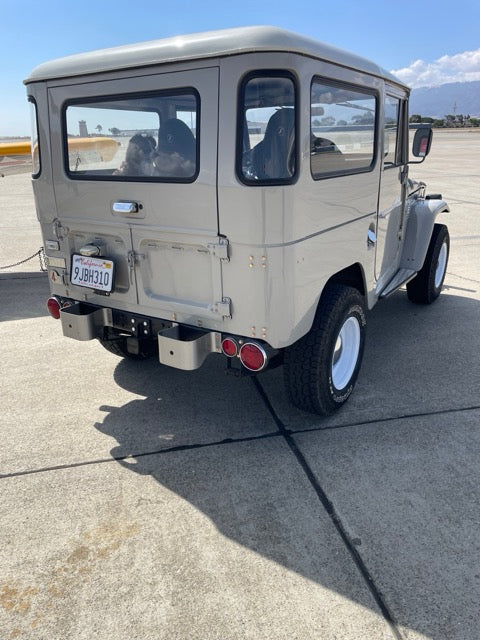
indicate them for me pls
(452, 98)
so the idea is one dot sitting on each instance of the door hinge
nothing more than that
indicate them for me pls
(59, 231)
(133, 258)
(223, 308)
(219, 249)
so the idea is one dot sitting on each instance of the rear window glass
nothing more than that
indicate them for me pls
(266, 144)
(140, 137)
(342, 133)
(36, 166)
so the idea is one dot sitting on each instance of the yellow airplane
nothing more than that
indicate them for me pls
(105, 147)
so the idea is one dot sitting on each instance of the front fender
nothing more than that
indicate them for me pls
(421, 215)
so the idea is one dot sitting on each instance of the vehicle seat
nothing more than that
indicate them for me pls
(273, 157)
(176, 137)
(323, 145)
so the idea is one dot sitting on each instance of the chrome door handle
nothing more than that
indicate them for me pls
(125, 207)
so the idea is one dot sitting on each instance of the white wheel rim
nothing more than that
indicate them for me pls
(441, 265)
(345, 354)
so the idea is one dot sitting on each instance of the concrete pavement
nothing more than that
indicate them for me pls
(143, 502)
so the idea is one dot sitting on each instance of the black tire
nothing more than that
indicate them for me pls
(118, 346)
(427, 284)
(310, 372)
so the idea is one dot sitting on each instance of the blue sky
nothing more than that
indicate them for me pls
(426, 42)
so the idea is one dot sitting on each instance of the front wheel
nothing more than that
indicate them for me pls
(427, 284)
(320, 370)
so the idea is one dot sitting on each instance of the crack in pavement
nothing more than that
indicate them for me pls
(405, 416)
(142, 454)
(333, 515)
(449, 273)
(226, 441)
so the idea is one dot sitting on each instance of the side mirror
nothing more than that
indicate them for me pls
(422, 142)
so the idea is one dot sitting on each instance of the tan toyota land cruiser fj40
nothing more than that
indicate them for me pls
(241, 192)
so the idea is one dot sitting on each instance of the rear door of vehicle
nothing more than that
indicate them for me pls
(154, 217)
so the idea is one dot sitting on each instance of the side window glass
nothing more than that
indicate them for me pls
(342, 134)
(36, 166)
(142, 137)
(266, 146)
(391, 131)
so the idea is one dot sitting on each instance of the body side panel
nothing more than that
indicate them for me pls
(287, 241)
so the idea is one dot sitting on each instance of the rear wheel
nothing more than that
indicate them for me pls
(321, 369)
(427, 284)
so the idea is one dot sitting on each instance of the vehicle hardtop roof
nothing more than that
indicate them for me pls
(210, 44)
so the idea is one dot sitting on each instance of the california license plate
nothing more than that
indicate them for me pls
(94, 273)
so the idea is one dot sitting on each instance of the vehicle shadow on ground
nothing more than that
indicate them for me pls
(23, 295)
(257, 495)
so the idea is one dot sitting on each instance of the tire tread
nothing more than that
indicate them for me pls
(305, 382)
(422, 290)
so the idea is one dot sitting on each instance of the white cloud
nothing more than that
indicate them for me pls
(461, 67)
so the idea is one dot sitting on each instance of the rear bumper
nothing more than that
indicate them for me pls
(82, 322)
(179, 346)
(186, 348)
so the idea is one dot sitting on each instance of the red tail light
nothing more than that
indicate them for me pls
(253, 356)
(53, 306)
(229, 347)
